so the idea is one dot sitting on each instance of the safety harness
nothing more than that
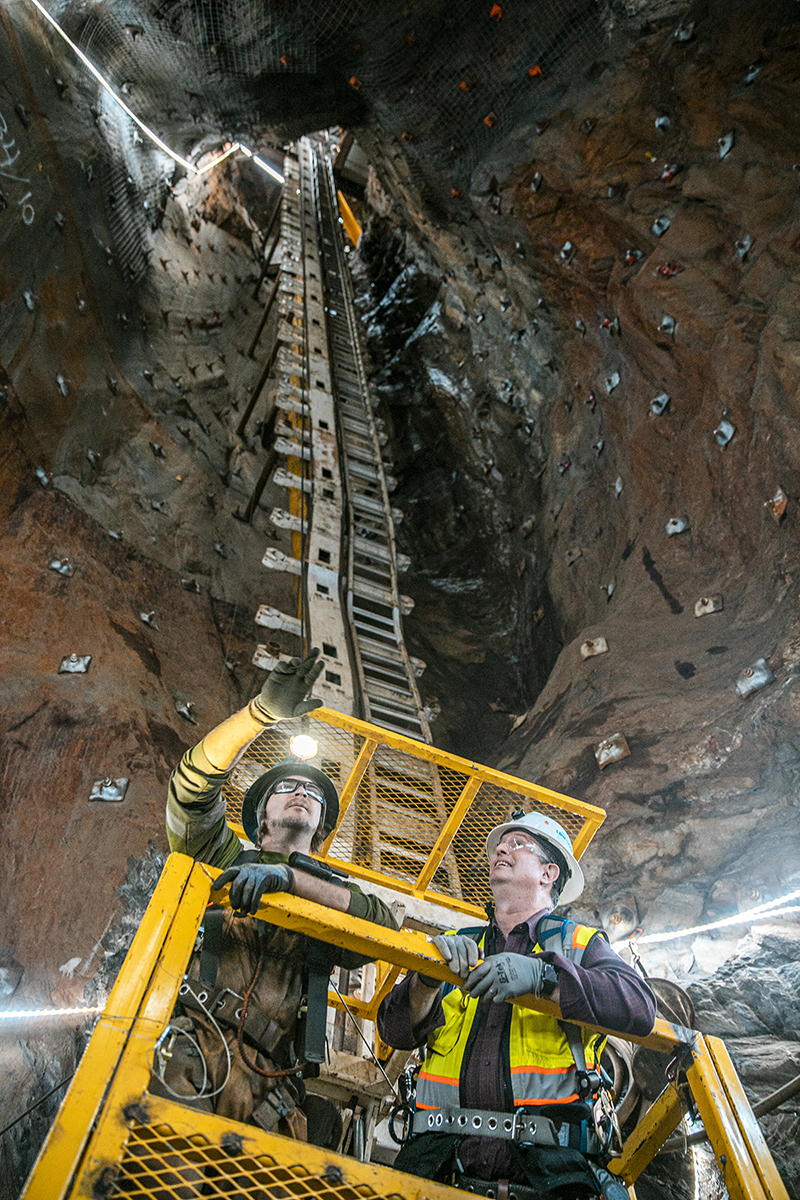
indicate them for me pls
(226, 1006)
(589, 1137)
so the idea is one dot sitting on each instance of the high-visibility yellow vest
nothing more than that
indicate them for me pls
(541, 1064)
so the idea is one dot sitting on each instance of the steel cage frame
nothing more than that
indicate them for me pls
(108, 1109)
(109, 1123)
(586, 817)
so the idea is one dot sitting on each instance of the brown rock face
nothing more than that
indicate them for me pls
(647, 381)
(582, 323)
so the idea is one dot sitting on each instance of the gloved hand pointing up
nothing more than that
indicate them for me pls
(286, 690)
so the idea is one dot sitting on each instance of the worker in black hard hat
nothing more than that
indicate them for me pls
(246, 1047)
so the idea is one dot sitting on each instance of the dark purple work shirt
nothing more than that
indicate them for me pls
(604, 990)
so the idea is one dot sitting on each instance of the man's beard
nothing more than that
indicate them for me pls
(291, 824)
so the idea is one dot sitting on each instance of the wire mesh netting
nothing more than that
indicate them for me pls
(503, 64)
(159, 1163)
(449, 77)
(134, 187)
(403, 800)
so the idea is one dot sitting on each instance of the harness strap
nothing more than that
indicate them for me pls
(484, 1187)
(213, 922)
(225, 1007)
(521, 1127)
(319, 962)
(588, 1081)
(212, 945)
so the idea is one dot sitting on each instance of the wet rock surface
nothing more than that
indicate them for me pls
(518, 334)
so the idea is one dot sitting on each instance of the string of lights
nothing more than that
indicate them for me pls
(24, 1014)
(761, 912)
(162, 145)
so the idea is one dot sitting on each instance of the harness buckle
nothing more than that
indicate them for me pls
(589, 1084)
(531, 1130)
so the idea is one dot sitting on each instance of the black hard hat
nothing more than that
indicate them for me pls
(286, 770)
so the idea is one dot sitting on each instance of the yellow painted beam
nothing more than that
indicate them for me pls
(660, 1120)
(132, 1080)
(410, 951)
(741, 1152)
(448, 832)
(351, 225)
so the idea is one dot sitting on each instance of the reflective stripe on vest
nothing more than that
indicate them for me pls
(542, 1067)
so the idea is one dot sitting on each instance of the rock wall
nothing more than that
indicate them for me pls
(521, 348)
(522, 313)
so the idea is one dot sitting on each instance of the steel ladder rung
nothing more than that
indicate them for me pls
(362, 619)
(391, 695)
(378, 718)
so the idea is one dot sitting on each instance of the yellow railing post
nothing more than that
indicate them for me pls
(61, 1151)
(449, 830)
(742, 1154)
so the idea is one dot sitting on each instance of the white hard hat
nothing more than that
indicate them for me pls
(549, 831)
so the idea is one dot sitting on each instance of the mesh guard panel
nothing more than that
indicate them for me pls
(394, 810)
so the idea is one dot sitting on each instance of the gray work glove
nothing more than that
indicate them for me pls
(503, 976)
(251, 881)
(286, 690)
(459, 952)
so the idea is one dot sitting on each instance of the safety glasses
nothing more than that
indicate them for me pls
(294, 785)
(518, 844)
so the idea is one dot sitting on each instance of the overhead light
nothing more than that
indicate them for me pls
(266, 167)
(304, 746)
(220, 157)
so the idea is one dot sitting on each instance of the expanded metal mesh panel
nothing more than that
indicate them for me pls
(491, 806)
(396, 816)
(391, 822)
(160, 1164)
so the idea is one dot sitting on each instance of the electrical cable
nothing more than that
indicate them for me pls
(33, 1107)
(204, 1095)
(295, 1070)
(159, 1075)
(377, 1061)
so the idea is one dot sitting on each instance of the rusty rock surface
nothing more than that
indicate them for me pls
(518, 379)
(537, 495)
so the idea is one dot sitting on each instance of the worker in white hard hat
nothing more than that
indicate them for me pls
(508, 1097)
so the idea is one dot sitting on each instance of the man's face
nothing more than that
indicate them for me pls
(294, 809)
(518, 860)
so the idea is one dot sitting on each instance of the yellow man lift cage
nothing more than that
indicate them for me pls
(413, 819)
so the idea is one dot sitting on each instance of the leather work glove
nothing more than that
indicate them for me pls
(251, 881)
(286, 690)
(459, 952)
(503, 976)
